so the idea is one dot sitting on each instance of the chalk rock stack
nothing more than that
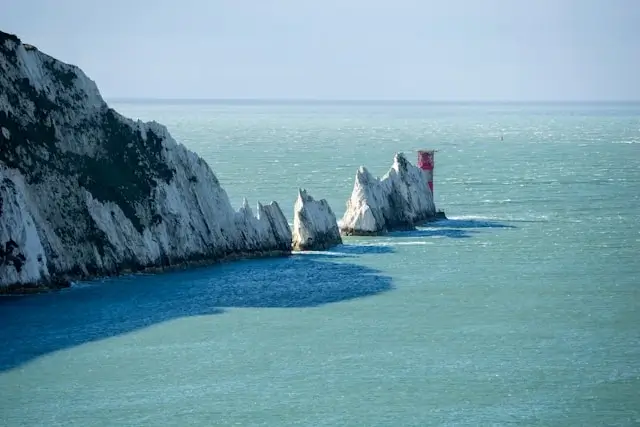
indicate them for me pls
(314, 224)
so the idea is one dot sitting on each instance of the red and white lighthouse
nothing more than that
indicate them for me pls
(426, 163)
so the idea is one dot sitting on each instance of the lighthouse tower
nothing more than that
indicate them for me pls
(426, 163)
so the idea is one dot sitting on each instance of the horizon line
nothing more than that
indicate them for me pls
(372, 100)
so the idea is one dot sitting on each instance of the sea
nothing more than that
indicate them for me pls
(522, 308)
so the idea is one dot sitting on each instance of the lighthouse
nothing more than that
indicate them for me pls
(426, 163)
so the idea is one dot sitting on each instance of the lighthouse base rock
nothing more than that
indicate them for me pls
(314, 224)
(400, 200)
(86, 192)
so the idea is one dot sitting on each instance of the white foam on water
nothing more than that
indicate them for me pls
(490, 218)
(416, 243)
(398, 243)
(496, 201)
(82, 285)
(330, 253)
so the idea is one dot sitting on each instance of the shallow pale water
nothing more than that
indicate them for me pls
(523, 308)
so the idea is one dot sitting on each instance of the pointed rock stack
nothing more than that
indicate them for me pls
(314, 224)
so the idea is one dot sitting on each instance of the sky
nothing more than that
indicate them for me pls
(449, 50)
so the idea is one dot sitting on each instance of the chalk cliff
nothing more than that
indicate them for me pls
(399, 200)
(314, 224)
(85, 191)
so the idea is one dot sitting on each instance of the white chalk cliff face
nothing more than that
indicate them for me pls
(85, 191)
(314, 224)
(399, 200)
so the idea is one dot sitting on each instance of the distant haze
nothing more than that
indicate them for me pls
(450, 50)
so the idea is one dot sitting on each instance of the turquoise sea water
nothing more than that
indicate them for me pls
(522, 308)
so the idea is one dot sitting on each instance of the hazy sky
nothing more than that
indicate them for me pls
(343, 49)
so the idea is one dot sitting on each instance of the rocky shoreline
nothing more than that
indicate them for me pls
(86, 192)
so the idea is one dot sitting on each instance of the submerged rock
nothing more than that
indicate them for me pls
(314, 224)
(399, 200)
(85, 191)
